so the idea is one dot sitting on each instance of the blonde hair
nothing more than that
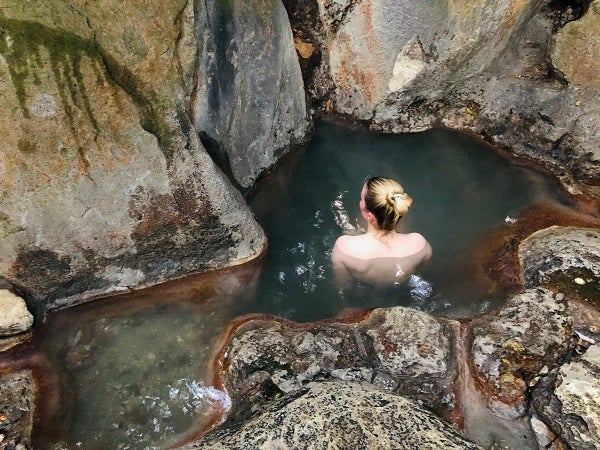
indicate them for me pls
(386, 200)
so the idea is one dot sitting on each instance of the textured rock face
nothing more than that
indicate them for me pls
(576, 49)
(481, 66)
(568, 400)
(339, 415)
(16, 412)
(104, 183)
(249, 100)
(397, 349)
(567, 258)
(511, 347)
(14, 316)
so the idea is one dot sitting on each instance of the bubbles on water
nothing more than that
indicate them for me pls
(193, 396)
(485, 306)
(399, 275)
(300, 247)
(510, 220)
(300, 270)
(318, 219)
(420, 288)
(341, 216)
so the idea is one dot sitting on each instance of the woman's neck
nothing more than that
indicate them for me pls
(377, 232)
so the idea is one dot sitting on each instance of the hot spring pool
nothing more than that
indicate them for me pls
(127, 371)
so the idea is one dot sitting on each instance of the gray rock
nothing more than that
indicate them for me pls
(17, 395)
(105, 184)
(338, 415)
(249, 104)
(568, 401)
(418, 351)
(15, 318)
(566, 258)
(396, 349)
(575, 49)
(401, 67)
(510, 347)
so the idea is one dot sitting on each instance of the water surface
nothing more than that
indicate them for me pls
(462, 189)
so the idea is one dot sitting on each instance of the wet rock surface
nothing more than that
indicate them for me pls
(568, 400)
(509, 348)
(339, 414)
(396, 349)
(16, 410)
(566, 259)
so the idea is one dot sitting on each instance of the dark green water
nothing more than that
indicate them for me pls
(462, 189)
(131, 368)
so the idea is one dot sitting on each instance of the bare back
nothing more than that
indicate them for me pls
(379, 261)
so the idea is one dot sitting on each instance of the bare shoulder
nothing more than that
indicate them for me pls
(350, 245)
(417, 239)
(420, 244)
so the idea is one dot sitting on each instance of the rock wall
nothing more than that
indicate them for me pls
(249, 102)
(505, 69)
(104, 183)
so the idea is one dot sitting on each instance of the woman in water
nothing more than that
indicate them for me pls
(381, 256)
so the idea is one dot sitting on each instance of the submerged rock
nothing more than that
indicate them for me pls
(338, 414)
(512, 346)
(397, 349)
(16, 410)
(568, 400)
(15, 318)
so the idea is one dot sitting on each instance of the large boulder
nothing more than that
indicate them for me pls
(568, 401)
(249, 100)
(485, 66)
(511, 347)
(397, 349)
(338, 415)
(105, 185)
(576, 49)
(566, 259)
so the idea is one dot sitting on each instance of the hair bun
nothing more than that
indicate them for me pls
(401, 202)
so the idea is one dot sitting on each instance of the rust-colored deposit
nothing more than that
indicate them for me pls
(218, 363)
(503, 245)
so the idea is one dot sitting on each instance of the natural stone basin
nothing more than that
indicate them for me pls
(128, 372)
(462, 191)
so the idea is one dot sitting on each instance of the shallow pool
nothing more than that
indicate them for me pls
(128, 372)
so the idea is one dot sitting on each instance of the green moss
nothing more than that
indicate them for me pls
(152, 107)
(28, 46)
(25, 46)
(26, 146)
(134, 43)
(7, 227)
